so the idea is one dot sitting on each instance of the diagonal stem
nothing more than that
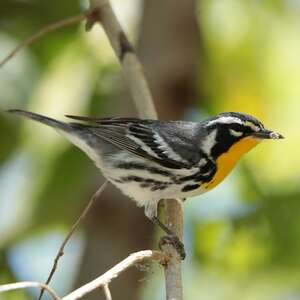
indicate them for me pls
(42, 32)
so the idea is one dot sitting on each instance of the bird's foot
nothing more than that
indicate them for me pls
(175, 242)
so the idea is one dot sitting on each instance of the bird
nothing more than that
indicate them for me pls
(150, 160)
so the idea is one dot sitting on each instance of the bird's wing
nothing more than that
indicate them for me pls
(136, 136)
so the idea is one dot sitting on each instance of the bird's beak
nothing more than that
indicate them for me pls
(267, 134)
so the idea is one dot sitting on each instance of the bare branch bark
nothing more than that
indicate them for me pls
(101, 11)
(169, 49)
(28, 284)
(115, 271)
(174, 219)
(60, 252)
(132, 68)
(104, 14)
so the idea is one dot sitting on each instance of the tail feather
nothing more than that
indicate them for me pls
(42, 119)
(75, 133)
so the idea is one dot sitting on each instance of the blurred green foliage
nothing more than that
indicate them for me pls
(251, 250)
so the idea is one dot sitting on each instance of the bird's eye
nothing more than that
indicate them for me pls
(237, 127)
(236, 130)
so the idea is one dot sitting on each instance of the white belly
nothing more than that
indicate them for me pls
(143, 195)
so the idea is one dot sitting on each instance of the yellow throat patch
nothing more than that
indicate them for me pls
(227, 160)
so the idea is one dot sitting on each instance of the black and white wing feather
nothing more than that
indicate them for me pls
(139, 137)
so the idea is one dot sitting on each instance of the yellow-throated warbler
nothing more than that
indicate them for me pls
(150, 160)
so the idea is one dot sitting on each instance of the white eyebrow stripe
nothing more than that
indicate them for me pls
(225, 120)
(252, 126)
(229, 120)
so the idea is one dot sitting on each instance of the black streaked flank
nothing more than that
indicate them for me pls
(140, 166)
(114, 179)
(144, 180)
(159, 187)
(125, 46)
(153, 184)
(190, 187)
(205, 174)
(132, 178)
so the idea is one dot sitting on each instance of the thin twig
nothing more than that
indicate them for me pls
(107, 292)
(60, 252)
(115, 271)
(100, 282)
(28, 284)
(42, 32)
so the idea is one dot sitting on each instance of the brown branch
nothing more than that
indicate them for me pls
(28, 284)
(101, 11)
(174, 220)
(134, 76)
(42, 32)
(133, 70)
(115, 271)
(60, 252)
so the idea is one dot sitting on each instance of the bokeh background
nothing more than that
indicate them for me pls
(201, 58)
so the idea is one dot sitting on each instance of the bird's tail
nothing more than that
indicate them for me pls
(42, 119)
(77, 134)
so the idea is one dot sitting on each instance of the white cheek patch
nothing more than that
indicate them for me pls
(209, 142)
(235, 133)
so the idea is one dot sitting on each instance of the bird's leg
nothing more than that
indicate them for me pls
(170, 238)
